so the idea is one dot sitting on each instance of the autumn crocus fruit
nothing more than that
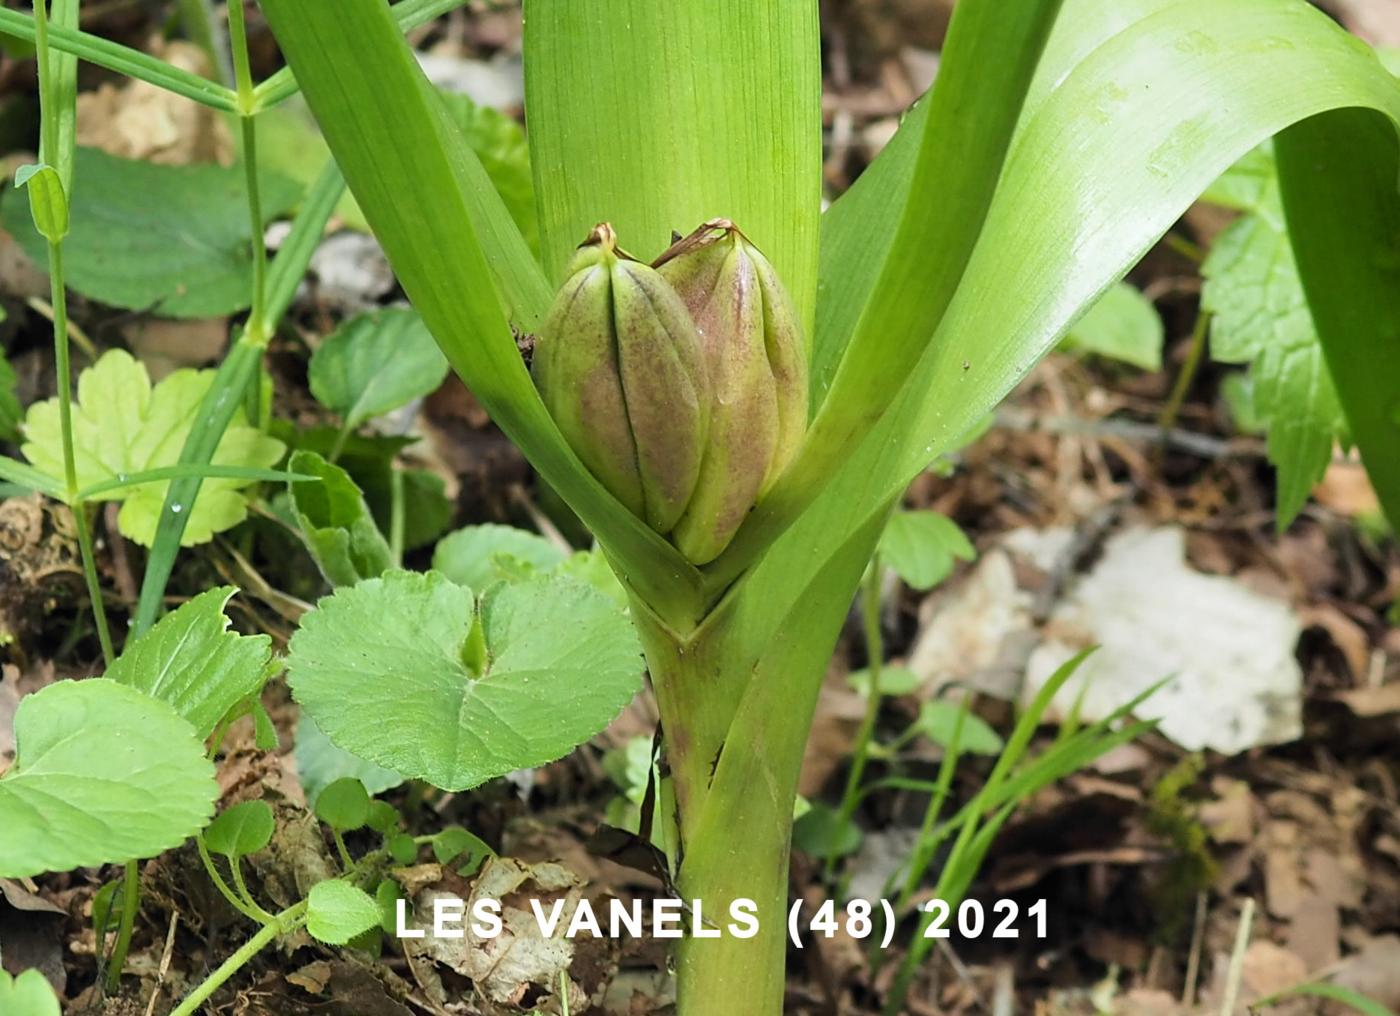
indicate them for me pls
(618, 365)
(753, 351)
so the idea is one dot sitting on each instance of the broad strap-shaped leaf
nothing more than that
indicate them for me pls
(103, 773)
(1338, 176)
(462, 262)
(407, 672)
(959, 147)
(659, 116)
(1081, 199)
(191, 661)
(375, 363)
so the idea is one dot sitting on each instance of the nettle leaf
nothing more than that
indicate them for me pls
(320, 763)
(336, 912)
(124, 425)
(375, 363)
(173, 240)
(192, 661)
(479, 556)
(938, 719)
(102, 774)
(1261, 318)
(1123, 325)
(921, 546)
(336, 523)
(29, 994)
(240, 830)
(407, 672)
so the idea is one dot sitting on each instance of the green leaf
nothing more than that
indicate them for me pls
(820, 832)
(464, 850)
(336, 912)
(1338, 176)
(123, 425)
(1123, 325)
(343, 805)
(383, 817)
(938, 717)
(380, 667)
(48, 205)
(192, 661)
(1335, 992)
(716, 106)
(479, 556)
(374, 364)
(336, 523)
(243, 829)
(173, 240)
(893, 681)
(1261, 318)
(29, 994)
(921, 546)
(102, 774)
(320, 763)
(11, 413)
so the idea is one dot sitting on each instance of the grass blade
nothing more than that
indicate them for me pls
(124, 60)
(26, 476)
(203, 471)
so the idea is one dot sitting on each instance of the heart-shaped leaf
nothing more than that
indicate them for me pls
(394, 670)
(344, 805)
(477, 556)
(922, 546)
(193, 662)
(241, 830)
(103, 773)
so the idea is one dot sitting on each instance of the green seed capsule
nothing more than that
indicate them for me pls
(756, 359)
(618, 365)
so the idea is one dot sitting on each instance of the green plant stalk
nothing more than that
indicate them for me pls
(875, 655)
(244, 904)
(284, 923)
(1187, 375)
(131, 899)
(70, 474)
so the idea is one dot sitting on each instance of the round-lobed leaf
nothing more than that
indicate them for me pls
(380, 668)
(478, 556)
(241, 830)
(336, 912)
(103, 773)
(344, 804)
(921, 546)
